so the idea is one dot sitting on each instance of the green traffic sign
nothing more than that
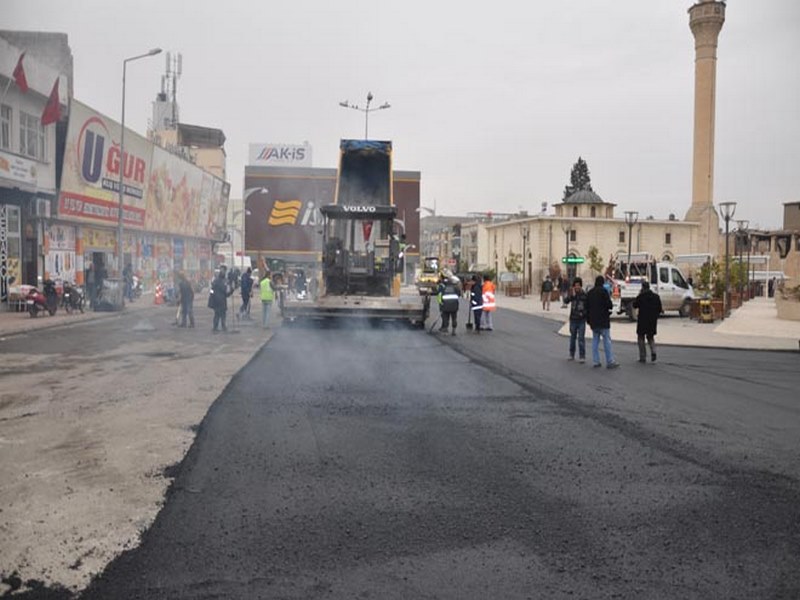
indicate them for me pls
(573, 260)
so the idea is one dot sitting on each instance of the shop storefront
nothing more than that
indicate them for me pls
(60, 252)
(172, 209)
(10, 247)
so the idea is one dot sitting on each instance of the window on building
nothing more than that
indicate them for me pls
(621, 237)
(573, 235)
(667, 238)
(574, 211)
(5, 127)
(594, 212)
(31, 136)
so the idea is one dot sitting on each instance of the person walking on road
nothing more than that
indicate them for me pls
(489, 304)
(219, 300)
(267, 296)
(246, 287)
(447, 296)
(649, 305)
(547, 292)
(127, 278)
(187, 300)
(576, 299)
(476, 301)
(598, 311)
(91, 288)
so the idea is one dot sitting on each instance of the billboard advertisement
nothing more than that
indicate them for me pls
(280, 155)
(90, 178)
(284, 220)
(161, 192)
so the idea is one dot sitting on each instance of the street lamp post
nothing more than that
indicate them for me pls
(366, 111)
(631, 218)
(120, 250)
(524, 231)
(245, 197)
(567, 229)
(741, 237)
(233, 228)
(728, 210)
(750, 276)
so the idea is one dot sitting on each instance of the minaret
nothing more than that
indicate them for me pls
(705, 19)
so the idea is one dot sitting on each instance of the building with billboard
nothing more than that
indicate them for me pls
(173, 211)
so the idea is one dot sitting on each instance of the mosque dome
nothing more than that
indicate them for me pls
(584, 197)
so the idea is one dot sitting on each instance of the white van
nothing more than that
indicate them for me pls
(665, 279)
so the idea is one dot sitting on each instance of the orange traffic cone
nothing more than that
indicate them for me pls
(158, 297)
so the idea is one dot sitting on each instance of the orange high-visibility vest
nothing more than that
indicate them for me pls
(488, 295)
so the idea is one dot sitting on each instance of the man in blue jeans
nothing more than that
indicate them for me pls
(577, 319)
(599, 309)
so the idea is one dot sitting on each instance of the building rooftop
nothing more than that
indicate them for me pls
(201, 137)
(584, 197)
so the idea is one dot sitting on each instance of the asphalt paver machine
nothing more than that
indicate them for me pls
(361, 262)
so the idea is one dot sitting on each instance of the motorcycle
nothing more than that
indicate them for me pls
(136, 288)
(39, 301)
(72, 298)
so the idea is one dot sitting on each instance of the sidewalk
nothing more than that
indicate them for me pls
(754, 326)
(16, 323)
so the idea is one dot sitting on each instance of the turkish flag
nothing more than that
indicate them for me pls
(52, 110)
(366, 227)
(19, 74)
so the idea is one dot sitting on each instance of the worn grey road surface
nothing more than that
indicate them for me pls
(392, 464)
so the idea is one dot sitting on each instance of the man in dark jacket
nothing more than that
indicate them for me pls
(577, 319)
(247, 289)
(447, 296)
(186, 294)
(219, 300)
(649, 305)
(599, 307)
(476, 301)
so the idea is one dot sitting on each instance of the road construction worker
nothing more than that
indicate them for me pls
(488, 302)
(447, 297)
(267, 296)
(476, 301)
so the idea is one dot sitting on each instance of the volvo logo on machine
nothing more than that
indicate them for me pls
(358, 209)
(272, 154)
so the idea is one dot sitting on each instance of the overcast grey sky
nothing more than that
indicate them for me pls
(492, 101)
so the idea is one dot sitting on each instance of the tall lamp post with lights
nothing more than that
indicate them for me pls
(525, 233)
(366, 111)
(120, 250)
(234, 228)
(567, 229)
(631, 218)
(742, 238)
(425, 234)
(728, 210)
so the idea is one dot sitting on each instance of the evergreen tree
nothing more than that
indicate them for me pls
(579, 179)
(595, 260)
